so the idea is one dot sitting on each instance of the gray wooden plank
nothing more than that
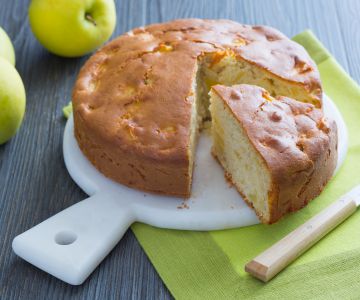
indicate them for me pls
(34, 183)
(349, 14)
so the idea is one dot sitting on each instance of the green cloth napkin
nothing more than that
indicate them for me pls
(210, 265)
(67, 110)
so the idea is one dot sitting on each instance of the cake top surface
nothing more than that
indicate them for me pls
(137, 91)
(290, 135)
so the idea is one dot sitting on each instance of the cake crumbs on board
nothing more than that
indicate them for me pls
(183, 205)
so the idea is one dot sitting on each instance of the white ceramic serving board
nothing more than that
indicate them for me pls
(72, 243)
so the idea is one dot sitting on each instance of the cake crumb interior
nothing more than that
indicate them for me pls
(239, 157)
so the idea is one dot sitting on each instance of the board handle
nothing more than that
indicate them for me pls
(71, 244)
(277, 257)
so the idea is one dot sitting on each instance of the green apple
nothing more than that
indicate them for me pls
(12, 100)
(72, 28)
(6, 47)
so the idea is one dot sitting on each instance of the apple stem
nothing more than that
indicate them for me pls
(89, 17)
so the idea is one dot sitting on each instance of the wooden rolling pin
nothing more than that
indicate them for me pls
(269, 263)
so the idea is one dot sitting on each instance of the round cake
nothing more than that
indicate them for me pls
(140, 100)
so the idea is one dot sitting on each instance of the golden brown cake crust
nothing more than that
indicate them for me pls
(298, 146)
(132, 99)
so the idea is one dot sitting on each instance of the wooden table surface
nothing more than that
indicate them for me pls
(34, 183)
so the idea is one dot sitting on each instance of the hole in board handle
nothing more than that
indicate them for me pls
(65, 237)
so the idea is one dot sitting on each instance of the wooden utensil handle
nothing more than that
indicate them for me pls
(277, 257)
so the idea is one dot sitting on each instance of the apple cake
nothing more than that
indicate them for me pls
(278, 152)
(140, 101)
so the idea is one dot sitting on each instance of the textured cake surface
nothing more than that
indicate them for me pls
(290, 147)
(139, 100)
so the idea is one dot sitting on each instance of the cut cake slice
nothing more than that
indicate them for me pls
(278, 152)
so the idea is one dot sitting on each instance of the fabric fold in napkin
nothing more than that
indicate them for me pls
(210, 265)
